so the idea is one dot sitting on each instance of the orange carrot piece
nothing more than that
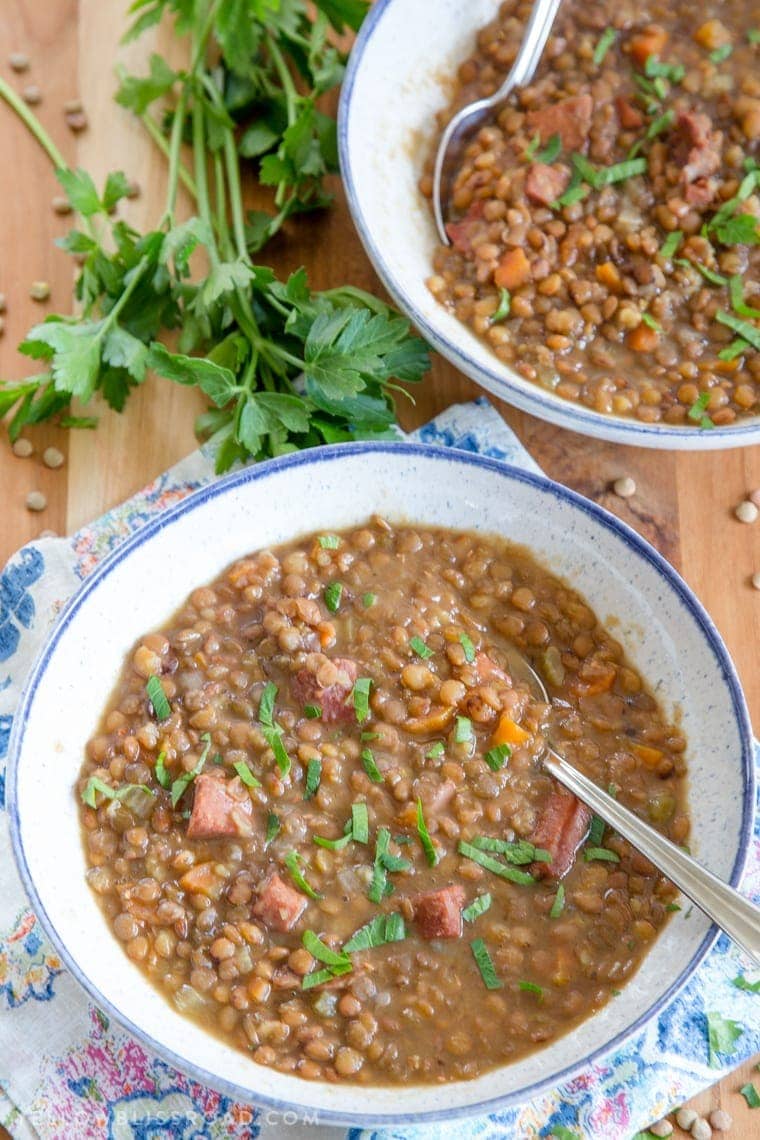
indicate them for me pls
(509, 732)
(650, 757)
(649, 42)
(513, 270)
(643, 339)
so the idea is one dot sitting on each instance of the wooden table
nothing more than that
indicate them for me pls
(684, 503)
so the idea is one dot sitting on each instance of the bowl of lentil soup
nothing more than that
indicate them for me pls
(604, 266)
(338, 663)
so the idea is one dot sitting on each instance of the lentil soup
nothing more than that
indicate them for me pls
(315, 815)
(606, 232)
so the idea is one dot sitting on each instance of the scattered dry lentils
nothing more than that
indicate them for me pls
(756, 580)
(746, 512)
(700, 1129)
(625, 487)
(39, 291)
(31, 94)
(685, 1117)
(36, 501)
(18, 61)
(661, 1128)
(22, 448)
(3, 304)
(721, 1120)
(61, 205)
(52, 457)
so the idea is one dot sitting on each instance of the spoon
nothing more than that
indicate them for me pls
(536, 34)
(737, 916)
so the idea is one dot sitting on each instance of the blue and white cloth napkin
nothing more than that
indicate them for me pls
(67, 1074)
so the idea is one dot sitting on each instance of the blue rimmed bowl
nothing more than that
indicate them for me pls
(662, 625)
(399, 76)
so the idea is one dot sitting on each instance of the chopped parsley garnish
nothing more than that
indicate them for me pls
(697, 410)
(497, 756)
(596, 831)
(161, 772)
(753, 35)
(630, 168)
(435, 750)
(574, 193)
(709, 274)
(336, 844)
(469, 648)
(333, 594)
(522, 878)
(370, 766)
(427, 843)
(293, 863)
(319, 977)
(329, 541)
(602, 854)
(312, 712)
(477, 907)
(273, 736)
(751, 1095)
(648, 320)
(518, 851)
(533, 146)
(655, 69)
(273, 828)
(721, 53)
(384, 862)
(484, 962)
(336, 962)
(266, 704)
(531, 988)
(313, 776)
(157, 698)
(738, 304)
(95, 785)
(368, 600)
(380, 930)
(183, 782)
(551, 151)
(745, 330)
(503, 308)
(606, 40)
(419, 647)
(722, 1035)
(246, 775)
(360, 822)
(463, 730)
(741, 983)
(559, 902)
(672, 908)
(362, 687)
(369, 736)
(671, 243)
(662, 123)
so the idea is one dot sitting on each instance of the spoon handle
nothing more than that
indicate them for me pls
(531, 49)
(734, 914)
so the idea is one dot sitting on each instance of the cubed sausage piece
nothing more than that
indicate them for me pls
(335, 699)
(435, 794)
(561, 828)
(488, 670)
(461, 232)
(570, 119)
(438, 914)
(544, 184)
(695, 146)
(217, 812)
(279, 906)
(630, 117)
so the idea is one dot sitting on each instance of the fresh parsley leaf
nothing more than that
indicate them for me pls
(551, 151)
(183, 782)
(722, 1035)
(419, 647)
(246, 775)
(484, 962)
(157, 698)
(751, 1095)
(605, 42)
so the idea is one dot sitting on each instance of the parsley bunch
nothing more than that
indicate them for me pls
(283, 367)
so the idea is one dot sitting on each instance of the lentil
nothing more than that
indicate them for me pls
(31, 95)
(52, 457)
(661, 1128)
(746, 512)
(700, 1129)
(23, 448)
(18, 61)
(214, 914)
(721, 1120)
(685, 1117)
(625, 487)
(39, 290)
(36, 501)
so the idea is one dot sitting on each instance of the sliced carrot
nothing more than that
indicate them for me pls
(643, 339)
(513, 270)
(608, 274)
(598, 683)
(433, 722)
(712, 35)
(509, 732)
(202, 879)
(649, 42)
(650, 757)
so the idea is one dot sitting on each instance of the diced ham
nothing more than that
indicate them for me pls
(561, 828)
(701, 193)
(570, 119)
(221, 809)
(695, 147)
(461, 231)
(278, 906)
(334, 699)
(488, 670)
(438, 914)
(630, 117)
(544, 184)
(435, 794)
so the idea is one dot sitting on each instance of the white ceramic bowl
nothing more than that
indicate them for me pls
(399, 75)
(664, 628)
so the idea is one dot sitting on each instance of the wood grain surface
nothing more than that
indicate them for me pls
(684, 503)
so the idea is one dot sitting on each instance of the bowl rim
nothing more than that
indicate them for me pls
(334, 453)
(499, 378)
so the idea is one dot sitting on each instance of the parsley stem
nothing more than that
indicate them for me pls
(200, 38)
(233, 176)
(157, 135)
(291, 96)
(175, 146)
(31, 121)
(220, 192)
(201, 179)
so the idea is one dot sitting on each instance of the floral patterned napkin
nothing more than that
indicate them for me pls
(67, 1074)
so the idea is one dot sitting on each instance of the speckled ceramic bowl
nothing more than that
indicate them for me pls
(399, 76)
(662, 625)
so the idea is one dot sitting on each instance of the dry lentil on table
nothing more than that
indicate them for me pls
(217, 923)
(600, 313)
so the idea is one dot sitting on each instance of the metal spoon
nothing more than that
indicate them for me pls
(536, 34)
(737, 916)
